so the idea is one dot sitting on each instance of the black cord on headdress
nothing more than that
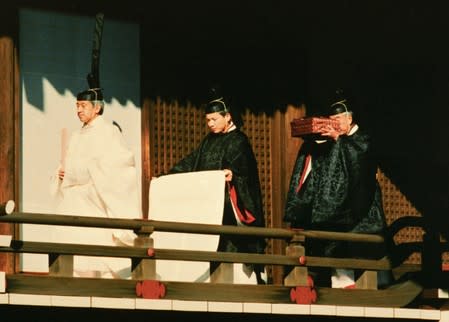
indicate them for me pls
(93, 78)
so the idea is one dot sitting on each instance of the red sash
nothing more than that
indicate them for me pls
(245, 217)
(304, 171)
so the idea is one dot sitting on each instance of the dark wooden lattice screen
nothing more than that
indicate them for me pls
(176, 131)
(396, 205)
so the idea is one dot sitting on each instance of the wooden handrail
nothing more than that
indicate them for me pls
(167, 226)
(19, 246)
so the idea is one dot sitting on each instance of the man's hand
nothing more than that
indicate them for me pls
(228, 175)
(329, 131)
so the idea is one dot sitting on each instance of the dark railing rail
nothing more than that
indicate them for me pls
(189, 255)
(146, 226)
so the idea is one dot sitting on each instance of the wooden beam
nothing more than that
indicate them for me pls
(396, 296)
(182, 227)
(191, 255)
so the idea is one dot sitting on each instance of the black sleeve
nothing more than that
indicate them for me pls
(240, 159)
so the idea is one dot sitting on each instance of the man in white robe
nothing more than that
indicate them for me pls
(97, 178)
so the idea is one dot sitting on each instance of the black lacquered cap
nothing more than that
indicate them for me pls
(92, 94)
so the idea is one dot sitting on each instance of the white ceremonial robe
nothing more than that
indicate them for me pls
(100, 181)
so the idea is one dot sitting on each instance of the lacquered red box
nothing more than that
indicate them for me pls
(311, 126)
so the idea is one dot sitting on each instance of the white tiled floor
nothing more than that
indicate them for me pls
(379, 312)
(350, 311)
(407, 313)
(300, 309)
(444, 316)
(234, 307)
(70, 301)
(257, 308)
(30, 299)
(225, 307)
(197, 306)
(146, 304)
(323, 309)
(430, 315)
(113, 303)
(4, 299)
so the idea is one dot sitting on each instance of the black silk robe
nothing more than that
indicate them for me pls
(232, 151)
(341, 193)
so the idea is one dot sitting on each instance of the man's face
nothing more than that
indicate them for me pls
(86, 111)
(344, 120)
(218, 123)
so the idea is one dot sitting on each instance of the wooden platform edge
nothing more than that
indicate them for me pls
(398, 295)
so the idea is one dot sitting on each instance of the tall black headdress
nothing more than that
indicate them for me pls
(218, 102)
(93, 78)
(339, 103)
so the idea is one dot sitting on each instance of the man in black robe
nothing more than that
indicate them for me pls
(227, 148)
(334, 188)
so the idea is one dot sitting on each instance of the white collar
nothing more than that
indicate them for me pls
(353, 129)
(96, 120)
(231, 128)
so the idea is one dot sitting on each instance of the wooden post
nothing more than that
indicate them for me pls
(143, 268)
(9, 121)
(298, 275)
(367, 281)
(60, 265)
(284, 150)
(431, 261)
(224, 273)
